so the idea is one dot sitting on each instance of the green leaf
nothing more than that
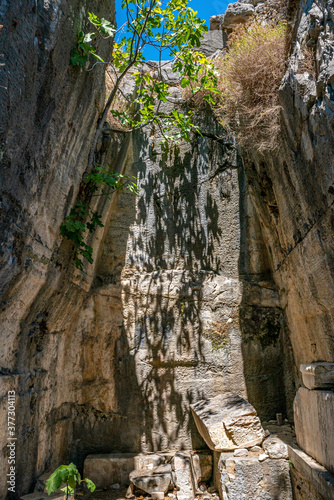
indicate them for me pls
(90, 485)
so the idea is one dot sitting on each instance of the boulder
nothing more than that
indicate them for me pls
(153, 481)
(314, 417)
(318, 375)
(184, 478)
(227, 422)
(202, 466)
(245, 478)
(237, 13)
(275, 447)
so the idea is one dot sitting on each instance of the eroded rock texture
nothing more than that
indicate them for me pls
(292, 190)
(48, 115)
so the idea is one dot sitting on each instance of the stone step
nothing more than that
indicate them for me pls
(318, 476)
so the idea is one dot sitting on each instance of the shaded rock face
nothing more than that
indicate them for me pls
(172, 261)
(48, 115)
(292, 192)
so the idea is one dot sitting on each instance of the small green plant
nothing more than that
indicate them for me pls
(170, 26)
(70, 476)
(82, 218)
(80, 55)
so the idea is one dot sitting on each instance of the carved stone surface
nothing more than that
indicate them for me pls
(245, 478)
(156, 480)
(184, 477)
(314, 417)
(105, 470)
(199, 283)
(227, 422)
(318, 375)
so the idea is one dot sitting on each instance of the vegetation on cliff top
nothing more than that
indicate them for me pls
(250, 75)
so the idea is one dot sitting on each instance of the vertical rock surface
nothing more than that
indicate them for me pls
(48, 114)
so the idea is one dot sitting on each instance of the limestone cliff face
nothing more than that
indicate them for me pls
(291, 190)
(48, 115)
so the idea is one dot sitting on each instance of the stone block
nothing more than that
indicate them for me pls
(153, 481)
(148, 461)
(108, 469)
(241, 452)
(320, 480)
(184, 479)
(245, 478)
(314, 417)
(275, 447)
(227, 422)
(202, 466)
(44, 496)
(318, 375)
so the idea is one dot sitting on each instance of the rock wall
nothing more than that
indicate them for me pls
(48, 115)
(292, 190)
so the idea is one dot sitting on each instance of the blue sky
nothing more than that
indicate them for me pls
(205, 9)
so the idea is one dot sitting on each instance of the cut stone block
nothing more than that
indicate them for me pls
(202, 466)
(156, 480)
(183, 476)
(318, 375)
(314, 417)
(148, 461)
(112, 468)
(275, 447)
(245, 478)
(227, 422)
(44, 496)
(321, 480)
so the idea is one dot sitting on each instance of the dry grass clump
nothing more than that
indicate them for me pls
(250, 75)
(308, 63)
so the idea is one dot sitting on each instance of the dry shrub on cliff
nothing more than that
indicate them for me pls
(250, 75)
